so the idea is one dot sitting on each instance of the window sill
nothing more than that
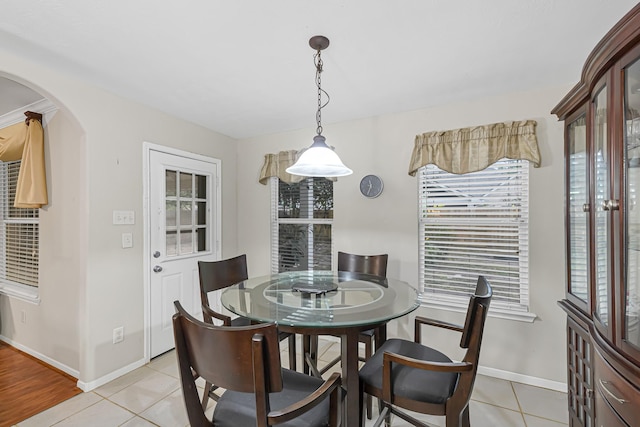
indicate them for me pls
(21, 292)
(497, 312)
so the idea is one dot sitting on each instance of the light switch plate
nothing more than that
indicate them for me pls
(123, 217)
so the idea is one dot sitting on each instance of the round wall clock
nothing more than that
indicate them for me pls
(371, 186)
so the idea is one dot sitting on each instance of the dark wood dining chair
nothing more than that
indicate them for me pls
(367, 264)
(216, 275)
(245, 361)
(406, 374)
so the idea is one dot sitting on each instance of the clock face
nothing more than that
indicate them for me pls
(371, 186)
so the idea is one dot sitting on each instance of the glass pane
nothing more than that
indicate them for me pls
(201, 187)
(172, 243)
(310, 198)
(293, 244)
(185, 213)
(170, 182)
(578, 204)
(601, 194)
(321, 247)
(201, 213)
(186, 242)
(632, 142)
(171, 213)
(304, 247)
(201, 234)
(186, 184)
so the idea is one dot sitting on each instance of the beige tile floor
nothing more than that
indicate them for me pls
(151, 396)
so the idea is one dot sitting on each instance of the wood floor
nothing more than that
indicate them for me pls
(28, 386)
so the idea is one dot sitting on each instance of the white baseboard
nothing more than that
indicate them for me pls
(84, 386)
(524, 379)
(88, 386)
(49, 361)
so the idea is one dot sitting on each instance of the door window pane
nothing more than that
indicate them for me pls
(170, 182)
(186, 184)
(170, 213)
(201, 187)
(172, 243)
(186, 213)
(186, 242)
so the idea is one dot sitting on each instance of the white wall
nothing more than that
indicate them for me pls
(89, 283)
(383, 145)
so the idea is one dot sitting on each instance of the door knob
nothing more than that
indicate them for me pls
(157, 269)
(156, 254)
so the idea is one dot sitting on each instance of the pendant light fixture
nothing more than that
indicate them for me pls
(319, 159)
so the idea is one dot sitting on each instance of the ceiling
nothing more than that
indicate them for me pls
(244, 68)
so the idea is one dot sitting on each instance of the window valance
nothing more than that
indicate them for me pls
(277, 164)
(25, 141)
(475, 148)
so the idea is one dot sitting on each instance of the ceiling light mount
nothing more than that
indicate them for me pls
(319, 160)
(318, 43)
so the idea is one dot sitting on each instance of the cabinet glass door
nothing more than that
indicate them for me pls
(601, 196)
(578, 204)
(631, 328)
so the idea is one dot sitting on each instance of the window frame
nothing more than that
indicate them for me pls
(29, 293)
(276, 222)
(431, 298)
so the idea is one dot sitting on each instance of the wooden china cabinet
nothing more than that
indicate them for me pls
(602, 203)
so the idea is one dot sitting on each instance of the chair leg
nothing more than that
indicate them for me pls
(458, 418)
(205, 395)
(464, 421)
(368, 352)
(292, 352)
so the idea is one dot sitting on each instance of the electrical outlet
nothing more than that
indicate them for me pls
(118, 335)
(127, 240)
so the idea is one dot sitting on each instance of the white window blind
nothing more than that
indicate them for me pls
(301, 225)
(475, 224)
(19, 229)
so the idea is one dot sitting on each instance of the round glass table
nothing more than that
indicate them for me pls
(325, 303)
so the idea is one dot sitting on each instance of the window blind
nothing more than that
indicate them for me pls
(301, 225)
(19, 228)
(475, 224)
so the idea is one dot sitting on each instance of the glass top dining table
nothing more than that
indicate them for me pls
(326, 303)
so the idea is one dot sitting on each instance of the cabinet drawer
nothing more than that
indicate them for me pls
(619, 393)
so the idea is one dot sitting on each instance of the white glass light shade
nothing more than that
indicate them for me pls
(319, 160)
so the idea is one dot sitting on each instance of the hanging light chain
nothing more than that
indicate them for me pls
(318, 63)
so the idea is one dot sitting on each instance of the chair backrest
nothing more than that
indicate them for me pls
(367, 264)
(215, 275)
(243, 358)
(476, 312)
(472, 336)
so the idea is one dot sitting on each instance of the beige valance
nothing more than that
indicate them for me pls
(25, 141)
(473, 149)
(277, 164)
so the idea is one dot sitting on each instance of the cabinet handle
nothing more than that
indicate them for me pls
(610, 205)
(613, 396)
(585, 207)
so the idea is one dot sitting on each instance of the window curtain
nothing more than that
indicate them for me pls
(25, 141)
(277, 164)
(475, 148)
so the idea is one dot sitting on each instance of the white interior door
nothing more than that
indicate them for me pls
(183, 221)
